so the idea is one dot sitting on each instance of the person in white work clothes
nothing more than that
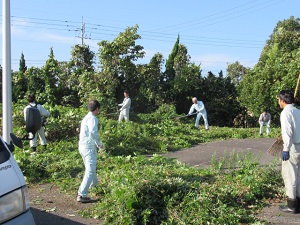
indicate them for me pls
(290, 131)
(89, 143)
(199, 107)
(44, 114)
(125, 107)
(264, 120)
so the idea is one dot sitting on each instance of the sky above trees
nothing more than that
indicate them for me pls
(215, 32)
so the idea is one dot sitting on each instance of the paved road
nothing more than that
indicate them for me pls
(200, 155)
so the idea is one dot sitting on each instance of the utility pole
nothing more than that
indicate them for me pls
(6, 72)
(82, 32)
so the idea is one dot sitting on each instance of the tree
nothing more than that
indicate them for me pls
(118, 70)
(278, 68)
(19, 87)
(170, 70)
(150, 93)
(82, 59)
(35, 80)
(81, 63)
(220, 98)
(236, 72)
(22, 65)
(187, 78)
(51, 72)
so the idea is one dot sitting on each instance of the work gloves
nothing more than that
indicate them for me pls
(285, 155)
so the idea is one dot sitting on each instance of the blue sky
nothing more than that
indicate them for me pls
(215, 32)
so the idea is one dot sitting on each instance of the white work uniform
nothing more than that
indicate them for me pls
(89, 142)
(124, 110)
(264, 120)
(41, 132)
(201, 111)
(290, 129)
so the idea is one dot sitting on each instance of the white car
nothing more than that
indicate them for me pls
(14, 199)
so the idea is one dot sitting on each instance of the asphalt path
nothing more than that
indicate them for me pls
(201, 155)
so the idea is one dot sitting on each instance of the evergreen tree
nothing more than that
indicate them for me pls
(170, 71)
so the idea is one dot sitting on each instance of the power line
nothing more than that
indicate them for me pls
(97, 28)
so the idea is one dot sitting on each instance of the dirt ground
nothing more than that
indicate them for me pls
(49, 206)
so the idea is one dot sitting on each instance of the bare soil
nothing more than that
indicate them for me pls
(50, 206)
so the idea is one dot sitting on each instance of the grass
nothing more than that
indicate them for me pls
(137, 189)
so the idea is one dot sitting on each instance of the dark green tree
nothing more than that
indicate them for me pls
(150, 93)
(170, 63)
(220, 98)
(35, 81)
(278, 68)
(51, 72)
(82, 59)
(118, 68)
(19, 87)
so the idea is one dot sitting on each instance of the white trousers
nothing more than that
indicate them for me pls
(261, 127)
(41, 134)
(89, 180)
(291, 173)
(124, 116)
(204, 115)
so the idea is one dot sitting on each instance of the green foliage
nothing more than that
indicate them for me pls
(162, 191)
(170, 71)
(236, 72)
(150, 93)
(224, 103)
(135, 189)
(278, 68)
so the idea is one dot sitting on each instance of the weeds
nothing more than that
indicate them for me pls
(139, 189)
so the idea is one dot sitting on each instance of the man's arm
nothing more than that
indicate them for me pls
(126, 104)
(44, 112)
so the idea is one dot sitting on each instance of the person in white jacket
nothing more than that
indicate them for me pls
(290, 131)
(264, 120)
(89, 143)
(199, 107)
(44, 114)
(125, 107)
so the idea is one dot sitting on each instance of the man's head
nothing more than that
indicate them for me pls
(126, 93)
(94, 106)
(285, 97)
(194, 100)
(31, 98)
